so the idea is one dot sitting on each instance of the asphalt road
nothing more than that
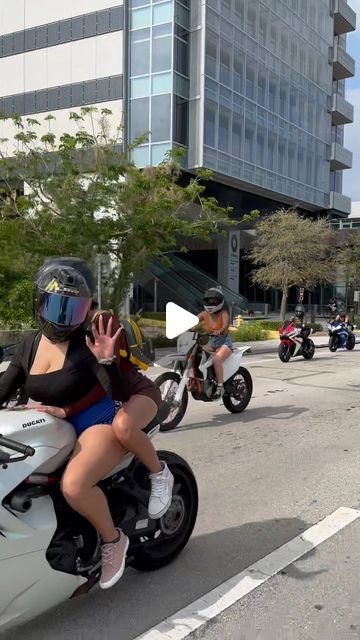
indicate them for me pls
(264, 477)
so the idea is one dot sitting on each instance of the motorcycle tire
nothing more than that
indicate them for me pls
(171, 423)
(232, 403)
(308, 350)
(284, 352)
(177, 525)
(350, 343)
(333, 343)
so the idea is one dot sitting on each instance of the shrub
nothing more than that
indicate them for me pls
(160, 341)
(154, 315)
(249, 331)
(273, 325)
(150, 322)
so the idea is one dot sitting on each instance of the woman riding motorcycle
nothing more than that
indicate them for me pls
(74, 378)
(216, 322)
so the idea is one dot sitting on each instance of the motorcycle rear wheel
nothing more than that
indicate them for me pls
(176, 526)
(176, 413)
(284, 352)
(237, 402)
(333, 343)
(350, 343)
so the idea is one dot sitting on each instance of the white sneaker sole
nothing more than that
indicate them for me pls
(161, 513)
(118, 575)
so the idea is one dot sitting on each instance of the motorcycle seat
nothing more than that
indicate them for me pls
(161, 415)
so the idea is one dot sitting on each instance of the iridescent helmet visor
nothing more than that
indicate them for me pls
(64, 311)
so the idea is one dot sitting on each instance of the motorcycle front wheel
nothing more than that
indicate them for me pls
(168, 384)
(241, 392)
(333, 343)
(308, 350)
(350, 343)
(176, 526)
(284, 352)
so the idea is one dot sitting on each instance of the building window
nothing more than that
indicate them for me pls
(54, 33)
(162, 13)
(140, 58)
(211, 54)
(225, 62)
(65, 31)
(236, 138)
(139, 124)
(210, 123)
(90, 25)
(181, 56)
(160, 118)
(224, 129)
(30, 40)
(180, 124)
(161, 54)
(141, 18)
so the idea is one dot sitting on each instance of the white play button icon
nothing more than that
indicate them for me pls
(178, 320)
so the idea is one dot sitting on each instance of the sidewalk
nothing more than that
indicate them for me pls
(261, 346)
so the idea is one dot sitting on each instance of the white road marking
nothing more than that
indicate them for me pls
(184, 622)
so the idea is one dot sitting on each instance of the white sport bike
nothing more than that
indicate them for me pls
(193, 371)
(49, 553)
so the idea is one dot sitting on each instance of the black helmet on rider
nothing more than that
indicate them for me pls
(299, 311)
(64, 292)
(213, 300)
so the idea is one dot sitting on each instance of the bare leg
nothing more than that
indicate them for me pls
(96, 453)
(221, 355)
(134, 415)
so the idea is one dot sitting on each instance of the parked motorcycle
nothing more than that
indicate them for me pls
(49, 553)
(341, 333)
(193, 372)
(295, 341)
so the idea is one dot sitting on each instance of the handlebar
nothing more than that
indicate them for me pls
(19, 447)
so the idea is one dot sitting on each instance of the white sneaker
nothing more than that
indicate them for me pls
(161, 492)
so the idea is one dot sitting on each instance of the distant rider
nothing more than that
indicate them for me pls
(216, 322)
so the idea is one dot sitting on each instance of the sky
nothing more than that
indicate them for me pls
(351, 184)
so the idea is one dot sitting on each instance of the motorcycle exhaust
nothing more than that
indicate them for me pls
(21, 502)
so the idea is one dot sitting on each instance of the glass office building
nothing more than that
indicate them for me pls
(253, 88)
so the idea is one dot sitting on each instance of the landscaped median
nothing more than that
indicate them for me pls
(153, 326)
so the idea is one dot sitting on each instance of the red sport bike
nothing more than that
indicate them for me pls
(295, 341)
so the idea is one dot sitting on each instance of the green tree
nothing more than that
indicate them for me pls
(291, 250)
(78, 194)
(349, 257)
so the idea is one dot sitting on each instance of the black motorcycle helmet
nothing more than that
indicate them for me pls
(299, 311)
(213, 300)
(64, 288)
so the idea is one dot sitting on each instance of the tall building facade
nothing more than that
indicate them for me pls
(58, 56)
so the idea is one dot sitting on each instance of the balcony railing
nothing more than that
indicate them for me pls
(340, 158)
(343, 64)
(342, 112)
(344, 17)
(340, 203)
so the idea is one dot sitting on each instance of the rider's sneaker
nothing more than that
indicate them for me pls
(219, 392)
(161, 492)
(113, 556)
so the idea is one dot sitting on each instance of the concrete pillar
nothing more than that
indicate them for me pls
(229, 259)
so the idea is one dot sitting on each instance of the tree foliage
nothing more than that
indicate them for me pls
(78, 194)
(349, 258)
(291, 250)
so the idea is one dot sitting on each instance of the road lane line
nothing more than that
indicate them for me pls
(184, 622)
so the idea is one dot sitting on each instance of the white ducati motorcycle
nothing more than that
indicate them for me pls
(49, 553)
(193, 371)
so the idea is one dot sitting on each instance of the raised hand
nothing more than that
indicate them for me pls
(104, 344)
